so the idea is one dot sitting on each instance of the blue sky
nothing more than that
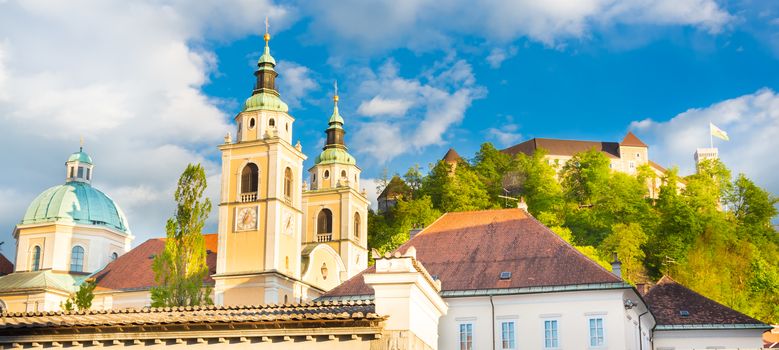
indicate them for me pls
(154, 85)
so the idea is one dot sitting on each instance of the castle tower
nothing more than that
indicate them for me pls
(260, 210)
(336, 210)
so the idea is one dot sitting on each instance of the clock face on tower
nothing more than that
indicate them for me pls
(246, 219)
(289, 224)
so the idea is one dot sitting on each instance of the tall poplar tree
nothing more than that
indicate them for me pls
(180, 269)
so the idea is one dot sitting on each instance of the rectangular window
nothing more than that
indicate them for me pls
(551, 340)
(596, 332)
(507, 335)
(81, 172)
(89, 175)
(466, 336)
(632, 165)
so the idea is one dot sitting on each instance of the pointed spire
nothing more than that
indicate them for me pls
(335, 118)
(266, 57)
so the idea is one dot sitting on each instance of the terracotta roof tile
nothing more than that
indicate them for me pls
(469, 250)
(352, 310)
(564, 147)
(669, 300)
(132, 271)
(6, 266)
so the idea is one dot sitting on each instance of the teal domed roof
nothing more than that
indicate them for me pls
(81, 157)
(334, 155)
(266, 101)
(76, 202)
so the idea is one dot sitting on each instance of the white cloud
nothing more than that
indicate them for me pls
(380, 106)
(437, 100)
(369, 185)
(506, 135)
(498, 55)
(752, 122)
(295, 82)
(424, 25)
(125, 75)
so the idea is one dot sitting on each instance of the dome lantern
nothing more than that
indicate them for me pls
(79, 167)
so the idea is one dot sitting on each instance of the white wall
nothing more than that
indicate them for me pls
(529, 311)
(708, 339)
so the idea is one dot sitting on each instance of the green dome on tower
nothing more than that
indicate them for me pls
(334, 155)
(78, 203)
(81, 157)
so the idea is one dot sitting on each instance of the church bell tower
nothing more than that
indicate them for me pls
(260, 210)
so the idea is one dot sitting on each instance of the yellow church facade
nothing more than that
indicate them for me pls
(281, 239)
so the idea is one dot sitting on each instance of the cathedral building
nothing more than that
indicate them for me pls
(279, 240)
(67, 233)
(289, 265)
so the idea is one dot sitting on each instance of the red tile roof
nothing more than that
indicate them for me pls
(6, 266)
(632, 140)
(669, 299)
(469, 250)
(132, 271)
(564, 147)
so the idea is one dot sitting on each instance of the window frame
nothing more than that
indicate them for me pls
(512, 332)
(357, 224)
(253, 180)
(36, 258)
(556, 332)
(602, 329)
(83, 258)
(460, 339)
(288, 183)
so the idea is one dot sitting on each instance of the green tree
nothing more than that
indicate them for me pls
(82, 299)
(539, 187)
(751, 205)
(180, 269)
(627, 240)
(490, 165)
(413, 178)
(584, 176)
(389, 231)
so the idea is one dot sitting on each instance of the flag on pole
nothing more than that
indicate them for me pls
(715, 131)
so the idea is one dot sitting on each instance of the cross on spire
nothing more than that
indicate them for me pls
(335, 88)
(267, 31)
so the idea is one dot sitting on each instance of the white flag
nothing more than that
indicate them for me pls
(715, 131)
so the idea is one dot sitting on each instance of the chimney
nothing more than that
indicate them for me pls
(616, 266)
(406, 292)
(522, 204)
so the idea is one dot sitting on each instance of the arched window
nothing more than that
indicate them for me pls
(249, 178)
(326, 174)
(324, 222)
(272, 122)
(343, 174)
(77, 259)
(114, 256)
(288, 183)
(357, 225)
(36, 258)
(251, 123)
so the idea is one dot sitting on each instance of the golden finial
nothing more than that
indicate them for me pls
(335, 87)
(267, 33)
(81, 144)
